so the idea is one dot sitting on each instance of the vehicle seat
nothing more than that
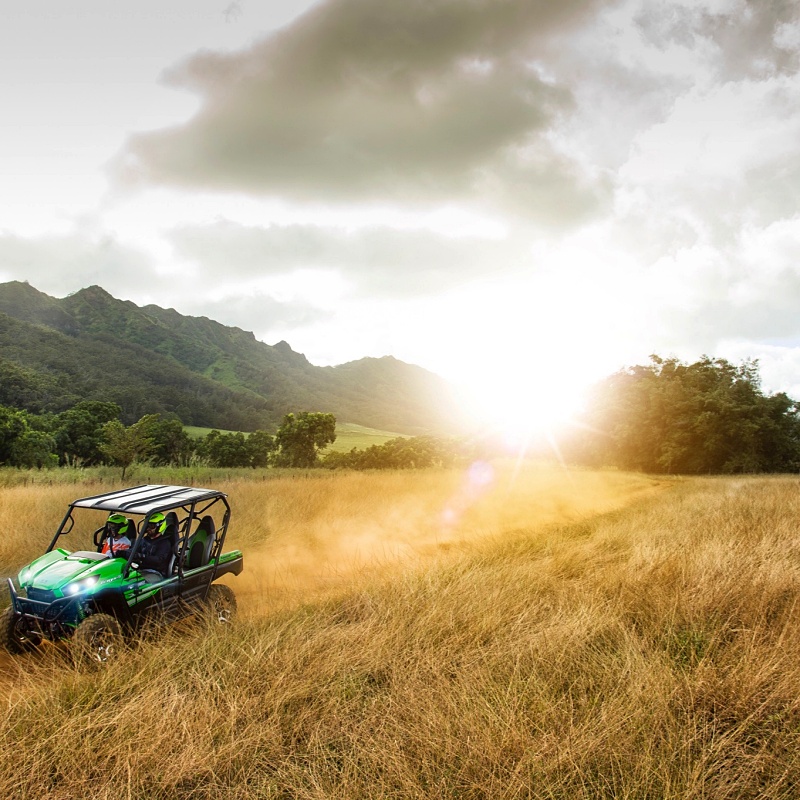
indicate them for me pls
(171, 533)
(198, 549)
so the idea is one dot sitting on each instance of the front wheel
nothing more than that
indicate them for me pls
(97, 639)
(221, 603)
(16, 637)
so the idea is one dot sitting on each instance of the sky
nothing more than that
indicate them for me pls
(519, 195)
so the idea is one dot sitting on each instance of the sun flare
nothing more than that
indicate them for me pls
(557, 338)
(522, 408)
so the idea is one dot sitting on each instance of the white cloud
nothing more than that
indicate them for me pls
(375, 260)
(59, 265)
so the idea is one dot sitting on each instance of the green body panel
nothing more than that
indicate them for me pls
(59, 569)
(27, 573)
(231, 555)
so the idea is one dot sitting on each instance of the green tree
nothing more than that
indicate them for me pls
(34, 449)
(206, 446)
(415, 452)
(260, 447)
(707, 417)
(12, 426)
(224, 449)
(235, 449)
(171, 444)
(301, 436)
(123, 446)
(79, 431)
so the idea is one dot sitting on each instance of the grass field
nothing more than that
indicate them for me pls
(493, 634)
(195, 432)
(348, 436)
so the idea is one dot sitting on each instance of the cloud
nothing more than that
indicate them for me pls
(62, 264)
(401, 101)
(632, 167)
(381, 261)
(254, 311)
(740, 39)
(755, 38)
(703, 298)
(513, 106)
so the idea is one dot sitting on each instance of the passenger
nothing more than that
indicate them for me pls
(117, 544)
(156, 549)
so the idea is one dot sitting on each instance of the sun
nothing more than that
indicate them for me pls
(532, 354)
(521, 408)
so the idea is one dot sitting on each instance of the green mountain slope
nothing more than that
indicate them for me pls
(91, 345)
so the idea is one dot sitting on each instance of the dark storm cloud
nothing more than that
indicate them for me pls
(403, 99)
(376, 261)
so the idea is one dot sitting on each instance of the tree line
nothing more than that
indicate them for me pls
(707, 417)
(91, 433)
(667, 416)
(414, 452)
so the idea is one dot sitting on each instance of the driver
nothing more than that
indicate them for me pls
(117, 544)
(156, 549)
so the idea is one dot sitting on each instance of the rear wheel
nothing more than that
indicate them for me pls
(221, 603)
(97, 639)
(15, 636)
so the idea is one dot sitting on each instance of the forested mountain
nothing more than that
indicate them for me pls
(55, 352)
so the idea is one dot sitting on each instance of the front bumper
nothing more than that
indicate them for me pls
(55, 619)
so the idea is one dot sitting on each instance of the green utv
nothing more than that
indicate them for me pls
(94, 596)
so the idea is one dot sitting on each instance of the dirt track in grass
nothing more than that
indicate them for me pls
(303, 539)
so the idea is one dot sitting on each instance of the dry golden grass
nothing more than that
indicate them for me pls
(585, 636)
(305, 533)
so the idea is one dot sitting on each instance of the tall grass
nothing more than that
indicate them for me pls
(643, 644)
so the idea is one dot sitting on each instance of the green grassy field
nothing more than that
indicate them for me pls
(194, 432)
(542, 634)
(348, 436)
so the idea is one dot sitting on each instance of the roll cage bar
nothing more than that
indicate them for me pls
(147, 500)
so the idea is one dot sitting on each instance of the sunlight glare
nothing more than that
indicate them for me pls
(534, 354)
(522, 407)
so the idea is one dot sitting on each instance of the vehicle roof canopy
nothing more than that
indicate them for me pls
(148, 498)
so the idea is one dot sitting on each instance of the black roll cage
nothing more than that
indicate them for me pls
(200, 501)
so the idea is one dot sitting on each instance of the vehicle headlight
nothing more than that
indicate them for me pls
(81, 586)
(24, 575)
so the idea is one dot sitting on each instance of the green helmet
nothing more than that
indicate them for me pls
(117, 524)
(159, 520)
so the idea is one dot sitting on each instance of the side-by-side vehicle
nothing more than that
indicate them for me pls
(77, 591)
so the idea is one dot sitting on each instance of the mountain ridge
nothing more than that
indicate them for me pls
(150, 359)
